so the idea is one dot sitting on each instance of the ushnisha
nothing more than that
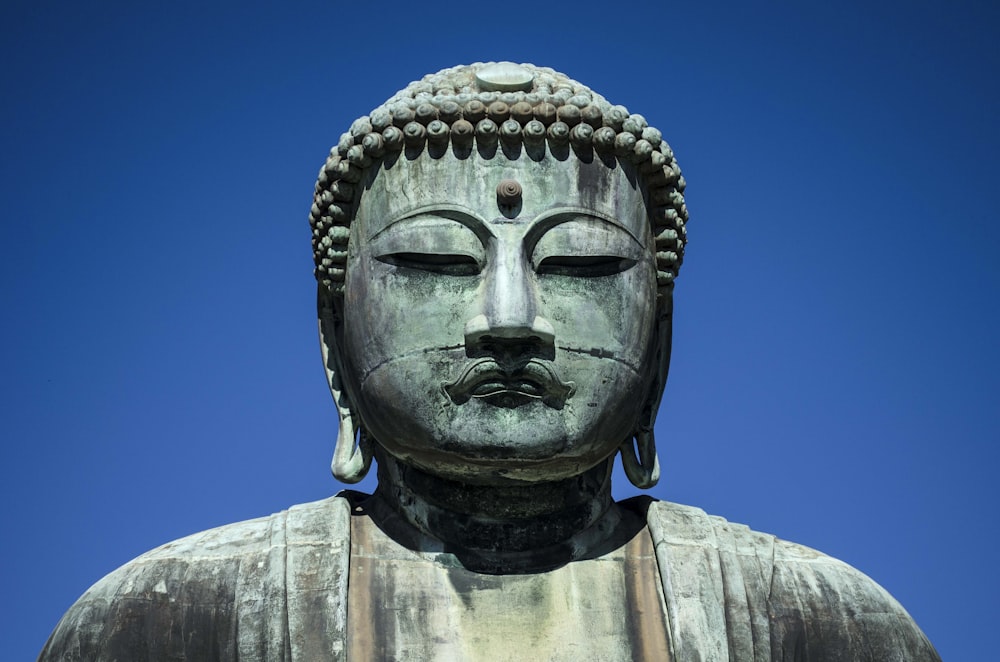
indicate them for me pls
(494, 106)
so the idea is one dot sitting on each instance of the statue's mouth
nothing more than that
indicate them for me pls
(488, 380)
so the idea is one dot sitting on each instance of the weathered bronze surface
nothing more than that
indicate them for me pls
(495, 250)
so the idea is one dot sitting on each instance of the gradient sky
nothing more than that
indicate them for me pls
(835, 353)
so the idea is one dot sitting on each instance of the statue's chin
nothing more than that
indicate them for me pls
(480, 428)
(494, 443)
(499, 472)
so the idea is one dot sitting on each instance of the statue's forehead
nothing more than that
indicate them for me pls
(423, 183)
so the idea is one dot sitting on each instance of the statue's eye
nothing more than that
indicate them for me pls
(582, 246)
(584, 266)
(450, 264)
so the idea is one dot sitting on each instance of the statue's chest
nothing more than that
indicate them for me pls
(405, 605)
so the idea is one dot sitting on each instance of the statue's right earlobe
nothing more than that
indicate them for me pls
(352, 456)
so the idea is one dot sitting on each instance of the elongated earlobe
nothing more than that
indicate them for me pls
(351, 459)
(642, 466)
(639, 459)
(352, 455)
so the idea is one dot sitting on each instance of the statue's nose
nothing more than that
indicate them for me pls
(510, 324)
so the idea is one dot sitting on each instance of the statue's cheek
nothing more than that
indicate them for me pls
(393, 311)
(612, 313)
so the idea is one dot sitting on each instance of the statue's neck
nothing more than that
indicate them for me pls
(515, 528)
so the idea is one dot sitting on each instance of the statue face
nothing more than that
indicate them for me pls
(488, 342)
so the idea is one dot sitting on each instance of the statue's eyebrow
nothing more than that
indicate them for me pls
(550, 218)
(457, 213)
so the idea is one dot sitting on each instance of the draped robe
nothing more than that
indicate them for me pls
(275, 588)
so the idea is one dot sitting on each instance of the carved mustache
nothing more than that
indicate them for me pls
(486, 378)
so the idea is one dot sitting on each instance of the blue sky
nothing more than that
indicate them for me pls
(835, 360)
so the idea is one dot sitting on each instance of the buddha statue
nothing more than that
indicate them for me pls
(495, 249)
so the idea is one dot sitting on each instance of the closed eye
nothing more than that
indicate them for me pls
(449, 264)
(584, 266)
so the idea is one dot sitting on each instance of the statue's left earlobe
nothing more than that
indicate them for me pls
(352, 456)
(639, 458)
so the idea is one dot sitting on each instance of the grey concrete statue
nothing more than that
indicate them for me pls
(496, 248)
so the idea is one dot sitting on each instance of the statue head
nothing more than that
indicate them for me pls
(495, 250)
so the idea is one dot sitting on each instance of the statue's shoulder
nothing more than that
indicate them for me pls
(218, 594)
(772, 599)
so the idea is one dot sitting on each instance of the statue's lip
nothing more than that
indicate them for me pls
(488, 380)
(488, 387)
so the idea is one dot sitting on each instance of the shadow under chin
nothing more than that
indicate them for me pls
(515, 555)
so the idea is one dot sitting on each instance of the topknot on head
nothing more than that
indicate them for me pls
(479, 106)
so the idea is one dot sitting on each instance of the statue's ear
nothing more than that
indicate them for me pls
(352, 456)
(639, 459)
